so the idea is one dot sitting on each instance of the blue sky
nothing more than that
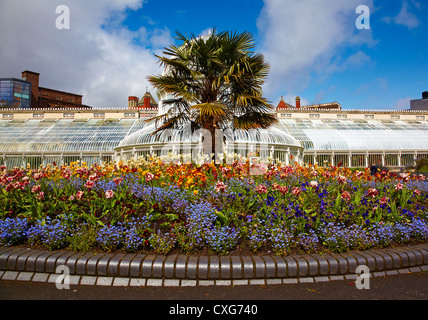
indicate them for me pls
(313, 46)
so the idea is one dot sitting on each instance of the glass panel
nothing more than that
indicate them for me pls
(391, 160)
(341, 160)
(375, 159)
(407, 159)
(323, 160)
(358, 160)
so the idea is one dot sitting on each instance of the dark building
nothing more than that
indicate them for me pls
(420, 104)
(15, 93)
(26, 93)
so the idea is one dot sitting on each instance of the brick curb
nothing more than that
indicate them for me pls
(211, 268)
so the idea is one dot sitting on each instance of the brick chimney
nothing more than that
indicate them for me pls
(33, 77)
(297, 102)
(132, 102)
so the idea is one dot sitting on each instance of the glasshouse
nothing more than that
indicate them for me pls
(353, 138)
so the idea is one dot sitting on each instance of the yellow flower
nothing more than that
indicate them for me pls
(195, 192)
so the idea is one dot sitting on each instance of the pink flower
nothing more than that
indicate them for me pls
(36, 189)
(296, 191)
(81, 170)
(149, 177)
(326, 174)
(118, 180)
(416, 191)
(275, 186)
(346, 196)
(93, 177)
(372, 192)
(313, 184)
(38, 175)
(18, 185)
(66, 174)
(79, 195)
(342, 179)
(225, 170)
(261, 188)
(405, 176)
(399, 186)
(220, 186)
(41, 196)
(383, 201)
(109, 194)
(283, 189)
(71, 198)
(89, 184)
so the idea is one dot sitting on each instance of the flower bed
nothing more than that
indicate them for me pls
(149, 206)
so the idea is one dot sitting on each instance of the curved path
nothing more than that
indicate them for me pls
(23, 264)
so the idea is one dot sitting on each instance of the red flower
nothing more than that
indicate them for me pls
(372, 192)
(36, 189)
(109, 194)
(118, 180)
(220, 186)
(296, 191)
(261, 188)
(41, 196)
(149, 177)
(384, 201)
(346, 196)
(283, 189)
(89, 184)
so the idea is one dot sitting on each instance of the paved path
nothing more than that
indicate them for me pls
(269, 285)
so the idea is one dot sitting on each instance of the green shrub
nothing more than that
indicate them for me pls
(421, 165)
(83, 240)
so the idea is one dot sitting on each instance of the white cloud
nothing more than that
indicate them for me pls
(306, 38)
(404, 17)
(403, 103)
(96, 57)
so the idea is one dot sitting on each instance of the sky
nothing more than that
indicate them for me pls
(105, 50)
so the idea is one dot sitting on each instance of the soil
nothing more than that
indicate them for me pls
(240, 250)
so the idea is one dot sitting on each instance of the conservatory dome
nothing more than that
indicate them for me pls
(262, 143)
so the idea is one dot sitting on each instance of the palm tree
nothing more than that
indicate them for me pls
(214, 83)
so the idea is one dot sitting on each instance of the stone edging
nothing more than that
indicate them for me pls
(211, 268)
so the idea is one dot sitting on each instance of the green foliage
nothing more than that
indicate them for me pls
(421, 165)
(84, 239)
(214, 80)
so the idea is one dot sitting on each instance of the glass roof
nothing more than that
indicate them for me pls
(67, 135)
(357, 134)
(268, 136)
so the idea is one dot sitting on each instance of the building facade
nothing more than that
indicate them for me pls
(26, 93)
(15, 93)
(420, 104)
(352, 138)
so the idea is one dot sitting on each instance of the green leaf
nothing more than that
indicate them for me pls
(100, 223)
(222, 217)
